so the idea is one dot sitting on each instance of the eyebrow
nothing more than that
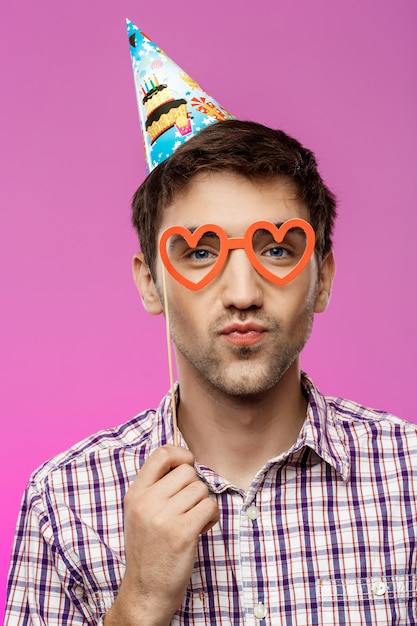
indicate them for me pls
(177, 239)
(174, 241)
(294, 230)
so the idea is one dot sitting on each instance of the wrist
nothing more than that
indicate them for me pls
(125, 613)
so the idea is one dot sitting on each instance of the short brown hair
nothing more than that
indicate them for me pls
(245, 148)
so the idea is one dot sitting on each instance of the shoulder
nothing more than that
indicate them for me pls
(355, 414)
(364, 435)
(374, 434)
(99, 452)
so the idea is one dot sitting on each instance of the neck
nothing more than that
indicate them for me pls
(236, 435)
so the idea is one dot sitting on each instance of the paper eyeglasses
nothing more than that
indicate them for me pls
(279, 253)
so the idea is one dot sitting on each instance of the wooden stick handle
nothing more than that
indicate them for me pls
(169, 350)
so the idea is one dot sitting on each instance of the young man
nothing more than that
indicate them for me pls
(278, 506)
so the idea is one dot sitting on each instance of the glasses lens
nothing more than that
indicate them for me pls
(279, 257)
(193, 260)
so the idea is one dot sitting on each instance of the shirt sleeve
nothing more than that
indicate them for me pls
(43, 587)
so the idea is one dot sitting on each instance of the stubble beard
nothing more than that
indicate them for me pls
(243, 371)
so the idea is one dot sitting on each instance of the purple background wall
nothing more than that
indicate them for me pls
(78, 353)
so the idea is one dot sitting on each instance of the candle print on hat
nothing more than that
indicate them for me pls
(172, 106)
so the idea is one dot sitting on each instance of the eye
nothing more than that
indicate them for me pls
(277, 252)
(200, 254)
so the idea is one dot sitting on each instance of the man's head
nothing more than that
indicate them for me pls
(248, 149)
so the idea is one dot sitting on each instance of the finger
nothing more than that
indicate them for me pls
(203, 516)
(161, 462)
(187, 498)
(176, 481)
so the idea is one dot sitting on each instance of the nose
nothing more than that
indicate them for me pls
(241, 285)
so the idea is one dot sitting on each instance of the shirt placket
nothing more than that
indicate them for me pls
(253, 584)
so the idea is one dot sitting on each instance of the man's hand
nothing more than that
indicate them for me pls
(166, 509)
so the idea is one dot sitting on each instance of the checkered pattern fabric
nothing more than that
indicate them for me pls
(325, 535)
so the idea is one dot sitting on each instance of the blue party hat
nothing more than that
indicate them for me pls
(172, 106)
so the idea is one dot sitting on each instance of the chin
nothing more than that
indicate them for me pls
(246, 386)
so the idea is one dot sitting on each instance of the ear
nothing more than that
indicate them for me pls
(327, 270)
(145, 284)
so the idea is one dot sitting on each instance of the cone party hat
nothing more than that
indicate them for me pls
(172, 106)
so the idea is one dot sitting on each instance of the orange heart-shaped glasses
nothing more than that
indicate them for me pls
(233, 243)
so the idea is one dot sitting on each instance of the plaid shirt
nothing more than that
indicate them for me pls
(325, 535)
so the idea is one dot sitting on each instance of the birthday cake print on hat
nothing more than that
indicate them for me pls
(172, 106)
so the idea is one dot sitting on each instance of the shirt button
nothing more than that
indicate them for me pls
(379, 588)
(252, 512)
(260, 611)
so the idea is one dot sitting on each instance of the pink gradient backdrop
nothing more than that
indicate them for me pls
(78, 352)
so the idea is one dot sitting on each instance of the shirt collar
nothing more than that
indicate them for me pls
(321, 431)
(163, 431)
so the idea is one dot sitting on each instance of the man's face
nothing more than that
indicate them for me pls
(240, 333)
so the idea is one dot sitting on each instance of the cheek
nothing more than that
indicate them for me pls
(308, 287)
(296, 298)
(184, 307)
